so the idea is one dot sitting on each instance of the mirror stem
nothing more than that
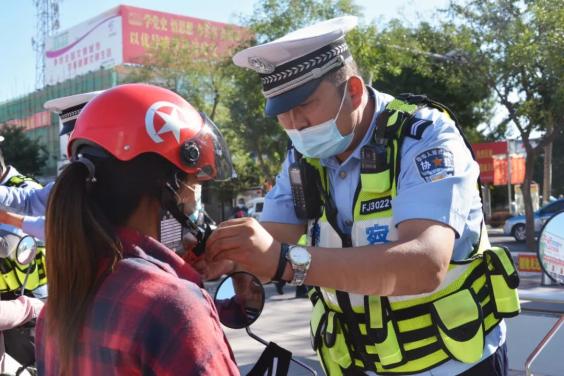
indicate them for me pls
(22, 292)
(254, 336)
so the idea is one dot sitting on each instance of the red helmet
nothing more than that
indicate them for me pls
(132, 119)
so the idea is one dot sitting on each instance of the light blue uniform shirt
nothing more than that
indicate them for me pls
(30, 202)
(445, 194)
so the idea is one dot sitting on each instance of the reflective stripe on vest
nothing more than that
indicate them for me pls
(406, 334)
(12, 273)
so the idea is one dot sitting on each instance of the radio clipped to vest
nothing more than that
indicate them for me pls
(305, 183)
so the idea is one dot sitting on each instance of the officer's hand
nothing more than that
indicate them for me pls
(246, 242)
(214, 269)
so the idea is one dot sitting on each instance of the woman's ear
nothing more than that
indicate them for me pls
(355, 88)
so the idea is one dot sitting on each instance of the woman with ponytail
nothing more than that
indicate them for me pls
(120, 302)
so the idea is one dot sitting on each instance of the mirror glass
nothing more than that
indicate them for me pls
(551, 248)
(26, 250)
(239, 300)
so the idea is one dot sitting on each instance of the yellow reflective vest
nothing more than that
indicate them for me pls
(405, 334)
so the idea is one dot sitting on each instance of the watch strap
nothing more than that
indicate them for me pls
(284, 248)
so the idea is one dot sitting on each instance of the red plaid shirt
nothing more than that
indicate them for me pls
(149, 317)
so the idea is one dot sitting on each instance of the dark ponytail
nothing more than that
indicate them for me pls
(82, 246)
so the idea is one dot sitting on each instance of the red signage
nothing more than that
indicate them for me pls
(501, 171)
(528, 263)
(37, 120)
(484, 153)
(144, 29)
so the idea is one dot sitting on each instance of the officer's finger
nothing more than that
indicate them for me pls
(220, 241)
(240, 231)
(221, 247)
(231, 222)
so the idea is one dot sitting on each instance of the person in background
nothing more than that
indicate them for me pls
(24, 206)
(14, 313)
(241, 210)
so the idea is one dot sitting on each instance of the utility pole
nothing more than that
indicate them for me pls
(509, 177)
(547, 174)
(47, 21)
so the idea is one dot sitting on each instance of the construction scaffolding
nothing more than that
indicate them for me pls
(28, 112)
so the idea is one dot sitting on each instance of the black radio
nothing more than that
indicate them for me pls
(306, 189)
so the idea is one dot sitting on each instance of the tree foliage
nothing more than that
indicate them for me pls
(27, 155)
(425, 60)
(516, 48)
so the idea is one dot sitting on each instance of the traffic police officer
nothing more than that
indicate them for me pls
(407, 282)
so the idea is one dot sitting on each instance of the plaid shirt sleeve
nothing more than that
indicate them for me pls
(181, 335)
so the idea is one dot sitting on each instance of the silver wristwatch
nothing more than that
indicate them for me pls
(300, 259)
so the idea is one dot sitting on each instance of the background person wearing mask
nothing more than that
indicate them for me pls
(119, 301)
(30, 200)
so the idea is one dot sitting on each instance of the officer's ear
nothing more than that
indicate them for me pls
(355, 87)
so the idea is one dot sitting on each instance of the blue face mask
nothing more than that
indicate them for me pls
(323, 140)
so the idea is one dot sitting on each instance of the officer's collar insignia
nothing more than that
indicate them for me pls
(261, 65)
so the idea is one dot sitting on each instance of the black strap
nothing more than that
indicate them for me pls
(331, 213)
(274, 361)
(352, 331)
(281, 262)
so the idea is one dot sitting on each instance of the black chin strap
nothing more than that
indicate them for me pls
(169, 202)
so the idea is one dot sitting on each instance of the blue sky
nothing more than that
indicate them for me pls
(17, 25)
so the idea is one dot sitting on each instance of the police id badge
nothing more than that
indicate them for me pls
(435, 164)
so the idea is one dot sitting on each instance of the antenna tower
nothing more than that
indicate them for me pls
(47, 22)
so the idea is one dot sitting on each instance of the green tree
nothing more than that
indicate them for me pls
(423, 60)
(516, 48)
(27, 155)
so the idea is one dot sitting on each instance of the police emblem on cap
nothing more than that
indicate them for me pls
(261, 65)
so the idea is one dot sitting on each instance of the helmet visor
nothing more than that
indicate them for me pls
(214, 159)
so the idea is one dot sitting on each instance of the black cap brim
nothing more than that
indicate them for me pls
(285, 102)
(68, 127)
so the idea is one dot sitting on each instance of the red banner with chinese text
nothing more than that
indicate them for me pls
(144, 29)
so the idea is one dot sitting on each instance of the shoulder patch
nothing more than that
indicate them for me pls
(417, 127)
(435, 164)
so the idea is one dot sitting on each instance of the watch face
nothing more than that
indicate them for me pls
(300, 256)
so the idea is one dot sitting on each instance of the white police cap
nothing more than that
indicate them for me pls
(291, 67)
(68, 108)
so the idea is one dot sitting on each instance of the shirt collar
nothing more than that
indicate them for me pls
(136, 244)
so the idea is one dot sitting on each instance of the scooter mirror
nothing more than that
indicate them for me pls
(26, 250)
(239, 300)
(8, 243)
(551, 247)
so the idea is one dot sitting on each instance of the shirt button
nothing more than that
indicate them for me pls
(349, 222)
(342, 174)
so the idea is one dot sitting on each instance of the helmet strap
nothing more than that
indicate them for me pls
(169, 202)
